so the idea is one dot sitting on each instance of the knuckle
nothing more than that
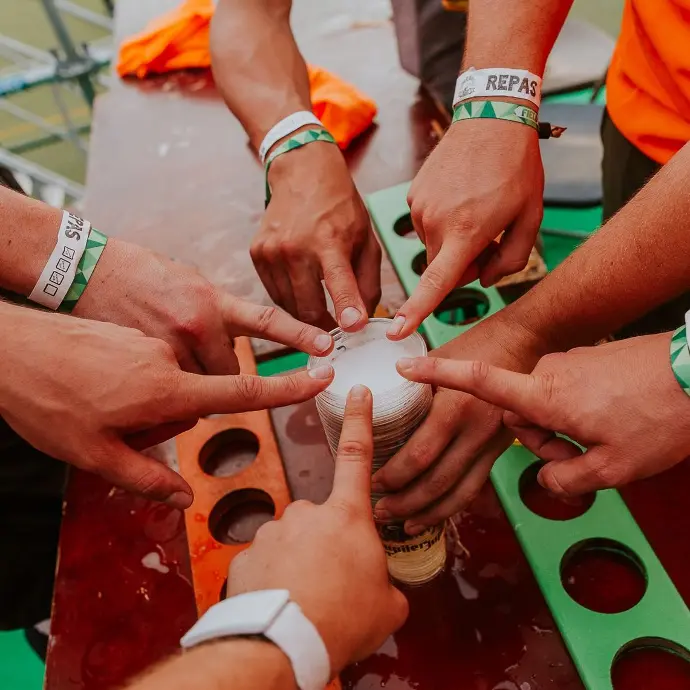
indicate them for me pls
(353, 449)
(439, 483)
(250, 387)
(608, 475)
(434, 278)
(150, 483)
(417, 459)
(479, 371)
(266, 318)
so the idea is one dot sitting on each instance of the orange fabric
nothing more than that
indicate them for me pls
(648, 84)
(179, 39)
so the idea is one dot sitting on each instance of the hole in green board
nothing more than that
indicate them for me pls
(603, 575)
(236, 518)
(547, 505)
(419, 263)
(229, 452)
(651, 663)
(462, 306)
(403, 227)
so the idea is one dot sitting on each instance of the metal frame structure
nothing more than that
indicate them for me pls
(70, 66)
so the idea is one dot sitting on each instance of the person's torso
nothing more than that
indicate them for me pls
(648, 85)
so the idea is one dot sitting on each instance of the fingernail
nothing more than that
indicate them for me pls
(405, 363)
(413, 529)
(322, 342)
(396, 326)
(358, 392)
(325, 371)
(349, 317)
(180, 499)
(382, 514)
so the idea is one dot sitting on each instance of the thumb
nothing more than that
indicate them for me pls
(200, 396)
(126, 468)
(582, 474)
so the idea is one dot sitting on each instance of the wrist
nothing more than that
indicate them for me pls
(303, 163)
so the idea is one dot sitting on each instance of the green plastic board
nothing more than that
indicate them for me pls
(594, 640)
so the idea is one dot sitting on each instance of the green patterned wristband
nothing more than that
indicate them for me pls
(496, 110)
(300, 139)
(680, 358)
(94, 248)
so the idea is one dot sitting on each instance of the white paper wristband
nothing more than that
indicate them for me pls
(287, 126)
(58, 275)
(498, 81)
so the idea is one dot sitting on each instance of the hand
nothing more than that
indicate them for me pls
(135, 287)
(482, 179)
(621, 401)
(89, 393)
(330, 557)
(317, 228)
(445, 463)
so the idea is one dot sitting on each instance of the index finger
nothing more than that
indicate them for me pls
(200, 396)
(352, 480)
(509, 390)
(271, 323)
(440, 277)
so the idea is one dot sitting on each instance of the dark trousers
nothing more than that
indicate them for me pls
(625, 170)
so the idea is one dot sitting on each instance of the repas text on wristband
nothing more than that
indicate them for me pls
(308, 136)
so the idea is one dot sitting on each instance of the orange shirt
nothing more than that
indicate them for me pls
(648, 84)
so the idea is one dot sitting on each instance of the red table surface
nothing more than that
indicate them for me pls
(483, 625)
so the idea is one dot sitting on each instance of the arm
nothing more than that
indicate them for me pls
(316, 226)
(485, 176)
(235, 664)
(93, 394)
(132, 286)
(636, 262)
(340, 580)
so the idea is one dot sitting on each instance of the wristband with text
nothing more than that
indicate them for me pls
(309, 136)
(94, 248)
(498, 81)
(60, 269)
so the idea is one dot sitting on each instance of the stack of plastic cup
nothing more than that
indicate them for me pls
(368, 357)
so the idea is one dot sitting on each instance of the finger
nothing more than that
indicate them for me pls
(352, 479)
(513, 250)
(583, 474)
(217, 354)
(152, 437)
(271, 323)
(462, 494)
(309, 293)
(542, 442)
(344, 291)
(520, 393)
(425, 446)
(132, 471)
(368, 273)
(452, 469)
(439, 278)
(200, 396)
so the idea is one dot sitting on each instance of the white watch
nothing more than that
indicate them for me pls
(269, 613)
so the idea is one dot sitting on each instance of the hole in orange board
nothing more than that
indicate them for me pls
(236, 518)
(229, 452)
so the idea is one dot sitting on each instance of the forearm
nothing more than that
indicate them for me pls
(639, 260)
(28, 232)
(256, 63)
(236, 664)
(519, 35)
